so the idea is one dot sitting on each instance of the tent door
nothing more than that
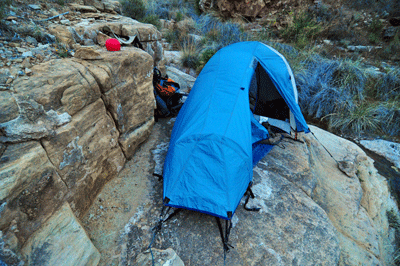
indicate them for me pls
(265, 100)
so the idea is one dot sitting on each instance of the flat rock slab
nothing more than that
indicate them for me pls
(61, 241)
(387, 149)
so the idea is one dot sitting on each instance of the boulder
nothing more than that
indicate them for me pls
(185, 81)
(87, 53)
(357, 205)
(30, 188)
(389, 150)
(129, 94)
(124, 27)
(61, 241)
(61, 85)
(86, 154)
(32, 123)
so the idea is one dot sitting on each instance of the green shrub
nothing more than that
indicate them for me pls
(375, 29)
(204, 57)
(364, 118)
(134, 9)
(179, 16)
(3, 5)
(190, 55)
(175, 37)
(152, 19)
(302, 31)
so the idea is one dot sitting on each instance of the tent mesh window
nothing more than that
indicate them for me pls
(265, 99)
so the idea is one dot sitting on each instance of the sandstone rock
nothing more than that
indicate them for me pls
(185, 81)
(62, 34)
(31, 188)
(356, 209)
(61, 241)
(86, 154)
(131, 140)
(72, 87)
(87, 53)
(112, 6)
(387, 149)
(102, 38)
(172, 57)
(94, 3)
(83, 8)
(161, 258)
(7, 255)
(123, 27)
(32, 123)
(129, 94)
(8, 107)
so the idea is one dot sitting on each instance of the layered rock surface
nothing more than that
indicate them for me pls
(65, 131)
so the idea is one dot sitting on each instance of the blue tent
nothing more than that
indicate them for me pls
(215, 139)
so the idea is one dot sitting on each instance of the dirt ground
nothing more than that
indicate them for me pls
(130, 193)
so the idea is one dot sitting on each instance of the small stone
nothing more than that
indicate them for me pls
(65, 22)
(26, 63)
(34, 7)
(31, 40)
(28, 71)
(21, 50)
(87, 53)
(50, 81)
(27, 54)
(9, 18)
(9, 80)
(21, 73)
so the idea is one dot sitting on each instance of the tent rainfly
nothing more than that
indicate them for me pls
(216, 137)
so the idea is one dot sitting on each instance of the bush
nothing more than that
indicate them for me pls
(388, 87)
(302, 31)
(364, 118)
(375, 29)
(152, 19)
(349, 76)
(318, 95)
(219, 34)
(204, 57)
(3, 5)
(190, 55)
(133, 8)
(389, 115)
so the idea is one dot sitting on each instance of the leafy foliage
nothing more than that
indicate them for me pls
(375, 29)
(302, 31)
(134, 9)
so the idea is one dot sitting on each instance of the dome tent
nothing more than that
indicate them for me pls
(216, 138)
